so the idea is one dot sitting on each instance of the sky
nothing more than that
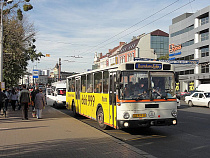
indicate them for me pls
(66, 28)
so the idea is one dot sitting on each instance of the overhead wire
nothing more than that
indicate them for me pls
(135, 24)
(144, 25)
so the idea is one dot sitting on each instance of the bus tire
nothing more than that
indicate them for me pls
(74, 110)
(100, 119)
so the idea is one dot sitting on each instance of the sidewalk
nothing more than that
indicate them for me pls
(58, 135)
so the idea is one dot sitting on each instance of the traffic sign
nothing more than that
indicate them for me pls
(35, 73)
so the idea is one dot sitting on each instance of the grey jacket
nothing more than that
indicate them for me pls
(39, 101)
(24, 96)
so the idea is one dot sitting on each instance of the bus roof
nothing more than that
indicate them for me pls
(134, 65)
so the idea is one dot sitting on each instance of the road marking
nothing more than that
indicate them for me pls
(147, 137)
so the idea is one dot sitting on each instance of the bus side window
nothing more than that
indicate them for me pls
(105, 81)
(90, 83)
(83, 78)
(73, 85)
(98, 82)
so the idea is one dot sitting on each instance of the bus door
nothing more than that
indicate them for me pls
(112, 99)
(78, 90)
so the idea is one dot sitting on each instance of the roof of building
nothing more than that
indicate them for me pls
(130, 46)
(159, 33)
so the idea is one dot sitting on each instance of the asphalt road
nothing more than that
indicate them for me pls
(189, 138)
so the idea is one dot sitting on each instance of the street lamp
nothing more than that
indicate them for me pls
(1, 39)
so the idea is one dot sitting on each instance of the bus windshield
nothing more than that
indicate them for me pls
(144, 85)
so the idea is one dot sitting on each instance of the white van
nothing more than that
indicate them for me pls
(203, 88)
(56, 95)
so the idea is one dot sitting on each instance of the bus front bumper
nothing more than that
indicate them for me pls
(146, 123)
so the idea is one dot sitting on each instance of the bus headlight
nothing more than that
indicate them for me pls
(126, 115)
(174, 113)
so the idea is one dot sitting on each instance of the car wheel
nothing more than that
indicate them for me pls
(208, 105)
(190, 103)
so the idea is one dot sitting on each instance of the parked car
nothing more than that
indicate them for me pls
(198, 98)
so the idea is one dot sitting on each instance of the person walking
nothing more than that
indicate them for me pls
(2, 99)
(7, 99)
(13, 99)
(39, 103)
(24, 100)
(33, 95)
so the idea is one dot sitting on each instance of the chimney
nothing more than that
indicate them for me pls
(121, 43)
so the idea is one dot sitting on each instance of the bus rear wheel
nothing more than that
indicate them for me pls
(100, 119)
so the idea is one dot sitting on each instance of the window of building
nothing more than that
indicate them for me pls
(204, 35)
(187, 29)
(205, 68)
(204, 18)
(188, 43)
(204, 51)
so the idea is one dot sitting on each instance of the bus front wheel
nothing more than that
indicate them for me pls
(100, 119)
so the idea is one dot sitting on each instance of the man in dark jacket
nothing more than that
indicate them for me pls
(2, 99)
(24, 100)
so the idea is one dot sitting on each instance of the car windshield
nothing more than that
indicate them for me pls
(207, 95)
(136, 85)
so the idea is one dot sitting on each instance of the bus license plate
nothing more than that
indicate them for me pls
(139, 115)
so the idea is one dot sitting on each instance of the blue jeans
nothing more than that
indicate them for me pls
(39, 113)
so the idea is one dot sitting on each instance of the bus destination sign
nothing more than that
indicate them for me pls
(148, 66)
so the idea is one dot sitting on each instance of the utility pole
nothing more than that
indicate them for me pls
(59, 70)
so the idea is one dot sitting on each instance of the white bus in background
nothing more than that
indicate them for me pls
(56, 95)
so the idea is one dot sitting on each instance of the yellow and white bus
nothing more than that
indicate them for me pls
(133, 94)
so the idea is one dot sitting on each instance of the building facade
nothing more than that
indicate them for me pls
(188, 40)
(151, 45)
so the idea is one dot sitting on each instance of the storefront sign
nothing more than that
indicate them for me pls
(191, 86)
(173, 48)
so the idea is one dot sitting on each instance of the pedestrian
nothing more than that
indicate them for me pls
(24, 100)
(39, 103)
(33, 95)
(2, 99)
(13, 99)
(18, 94)
(7, 99)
